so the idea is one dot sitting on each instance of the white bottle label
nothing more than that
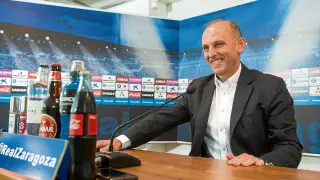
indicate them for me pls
(34, 111)
(12, 119)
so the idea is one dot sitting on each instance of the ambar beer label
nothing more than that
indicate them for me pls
(55, 76)
(76, 125)
(48, 126)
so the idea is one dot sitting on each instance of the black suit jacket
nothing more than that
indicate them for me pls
(262, 120)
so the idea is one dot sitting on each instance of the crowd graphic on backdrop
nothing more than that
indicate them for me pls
(22, 51)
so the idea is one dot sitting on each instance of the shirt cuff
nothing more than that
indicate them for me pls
(125, 141)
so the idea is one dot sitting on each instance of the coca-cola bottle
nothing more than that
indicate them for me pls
(67, 97)
(50, 115)
(83, 131)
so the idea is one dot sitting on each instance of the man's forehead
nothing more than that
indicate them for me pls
(217, 29)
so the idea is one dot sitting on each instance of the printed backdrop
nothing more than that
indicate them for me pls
(140, 62)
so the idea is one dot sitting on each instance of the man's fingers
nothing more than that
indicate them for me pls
(260, 163)
(229, 156)
(104, 149)
(102, 143)
(250, 161)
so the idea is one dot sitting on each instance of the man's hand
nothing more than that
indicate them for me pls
(244, 160)
(103, 145)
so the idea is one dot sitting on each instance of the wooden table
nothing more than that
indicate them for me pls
(163, 166)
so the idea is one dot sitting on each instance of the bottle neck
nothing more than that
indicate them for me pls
(85, 84)
(43, 78)
(54, 86)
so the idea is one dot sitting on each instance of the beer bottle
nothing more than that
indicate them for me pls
(50, 116)
(83, 131)
(67, 96)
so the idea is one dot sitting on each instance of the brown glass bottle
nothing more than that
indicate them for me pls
(50, 125)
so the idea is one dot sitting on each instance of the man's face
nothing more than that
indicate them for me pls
(221, 49)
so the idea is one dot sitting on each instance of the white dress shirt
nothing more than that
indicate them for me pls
(217, 136)
(217, 132)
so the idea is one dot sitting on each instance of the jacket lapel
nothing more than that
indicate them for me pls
(241, 97)
(202, 118)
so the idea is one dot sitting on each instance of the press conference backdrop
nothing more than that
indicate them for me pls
(140, 62)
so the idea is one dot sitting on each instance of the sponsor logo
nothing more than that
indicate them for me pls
(108, 86)
(20, 74)
(299, 82)
(19, 82)
(147, 95)
(300, 91)
(108, 79)
(172, 89)
(96, 85)
(314, 71)
(135, 95)
(147, 81)
(18, 90)
(172, 95)
(283, 74)
(147, 88)
(97, 93)
(303, 72)
(121, 94)
(183, 82)
(108, 93)
(182, 89)
(135, 87)
(135, 80)
(96, 78)
(5, 81)
(122, 79)
(160, 81)
(6, 73)
(314, 81)
(160, 88)
(5, 89)
(65, 76)
(32, 75)
(172, 82)
(314, 91)
(160, 95)
(122, 86)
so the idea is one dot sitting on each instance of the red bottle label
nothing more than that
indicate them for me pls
(55, 76)
(22, 124)
(48, 126)
(92, 124)
(76, 125)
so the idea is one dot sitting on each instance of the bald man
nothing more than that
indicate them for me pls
(243, 116)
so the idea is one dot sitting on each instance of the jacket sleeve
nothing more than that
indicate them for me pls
(286, 148)
(157, 123)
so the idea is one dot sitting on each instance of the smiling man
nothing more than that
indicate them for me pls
(243, 116)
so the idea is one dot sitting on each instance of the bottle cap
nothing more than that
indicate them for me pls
(77, 65)
(14, 103)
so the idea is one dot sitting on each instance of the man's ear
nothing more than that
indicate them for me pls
(241, 45)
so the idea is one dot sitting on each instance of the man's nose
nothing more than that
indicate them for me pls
(212, 52)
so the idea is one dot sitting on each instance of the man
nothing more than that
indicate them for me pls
(237, 114)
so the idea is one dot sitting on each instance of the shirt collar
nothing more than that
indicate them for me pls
(232, 81)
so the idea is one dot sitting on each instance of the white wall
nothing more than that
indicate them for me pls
(190, 8)
(135, 7)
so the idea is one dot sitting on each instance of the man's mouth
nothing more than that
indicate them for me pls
(216, 61)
